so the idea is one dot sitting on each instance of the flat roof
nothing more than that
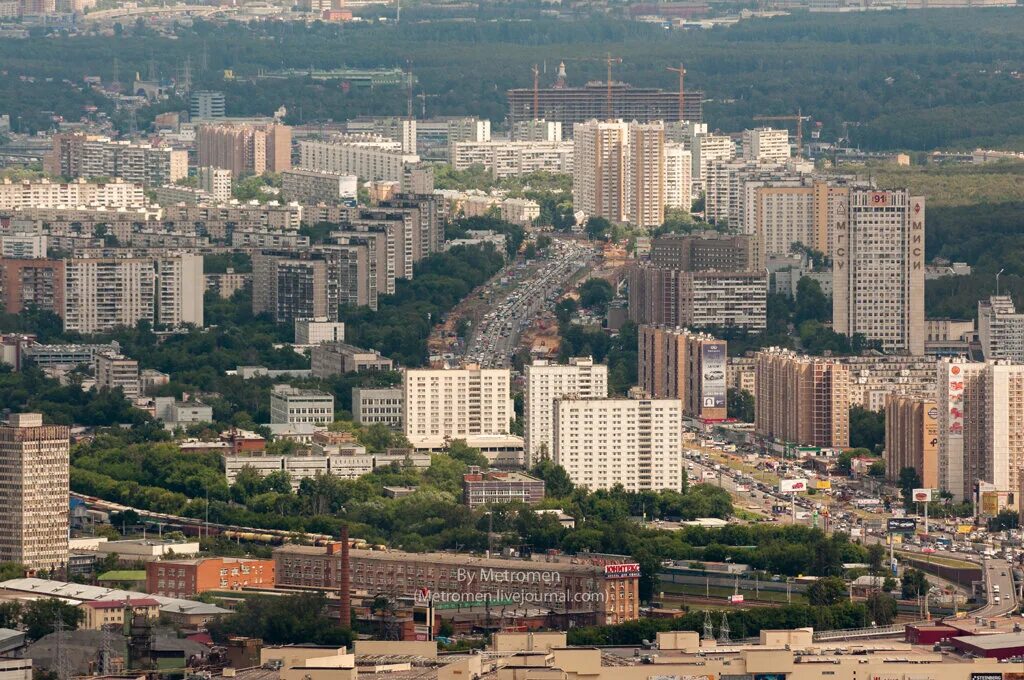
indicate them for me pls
(989, 642)
(452, 559)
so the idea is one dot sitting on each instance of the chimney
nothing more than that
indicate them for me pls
(345, 582)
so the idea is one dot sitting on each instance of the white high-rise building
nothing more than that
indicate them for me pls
(457, 402)
(878, 269)
(678, 177)
(1001, 329)
(34, 464)
(537, 131)
(546, 382)
(766, 144)
(632, 442)
(180, 287)
(215, 182)
(101, 294)
(707, 148)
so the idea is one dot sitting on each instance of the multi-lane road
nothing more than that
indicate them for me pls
(495, 338)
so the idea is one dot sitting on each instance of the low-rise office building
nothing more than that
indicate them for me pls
(378, 405)
(292, 405)
(337, 358)
(187, 578)
(484, 487)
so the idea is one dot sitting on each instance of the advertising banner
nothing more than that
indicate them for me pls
(792, 485)
(922, 495)
(712, 361)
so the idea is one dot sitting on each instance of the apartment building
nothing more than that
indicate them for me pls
(546, 382)
(599, 178)
(705, 299)
(245, 149)
(1000, 329)
(602, 443)
(314, 186)
(34, 463)
(513, 159)
(289, 286)
(115, 371)
(102, 294)
(678, 176)
(705, 149)
(960, 400)
(602, 589)
(402, 130)
(44, 193)
(215, 183)
(329, 359)
(292, 405)
(180, 288)
(385, 405)
(454, 403)
(766, 144)
(32, 284)
(188, 578)
(801, 400)
(645, 164)
(874, 378)
(878, 270)
(912, 437)
(88, 156)
(369, 157)
(205, 104)
(703, 251)
(535, 130)
(675, 363)
(486, 487)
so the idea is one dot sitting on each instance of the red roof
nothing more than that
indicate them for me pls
(120, 604)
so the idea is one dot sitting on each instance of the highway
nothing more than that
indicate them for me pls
(494, 340)
(998, 584)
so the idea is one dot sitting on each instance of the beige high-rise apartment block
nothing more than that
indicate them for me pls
(645, 160)
(546, 382)
(600, 168)
(678, 177)
(34, 492)
(912, 437)
(676, 363)
(457, 402)
(802, 400)
(878, 269)
(104, 293)
(632, 442)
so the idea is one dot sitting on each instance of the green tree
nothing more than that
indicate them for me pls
(39, 617)
(295, 619)
(10, 614)
(598, 228)
(556, 480)
(740, 405)
(826, 591)
(882, 608)
(469, 455)
(914, 583)
(595, 294)
(811, 303)
(867, 429)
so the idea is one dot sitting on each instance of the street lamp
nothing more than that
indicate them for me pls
(997, 279)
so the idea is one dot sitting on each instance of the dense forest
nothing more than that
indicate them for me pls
(912, 80)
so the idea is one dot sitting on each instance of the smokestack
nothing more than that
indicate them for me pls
(345, 584)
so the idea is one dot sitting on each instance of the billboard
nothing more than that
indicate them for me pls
(823, 484)
(735, 599)
(901, 525)
(921, 495)
(792, 485)
(955, 399)
(625, 570)
(712, 380)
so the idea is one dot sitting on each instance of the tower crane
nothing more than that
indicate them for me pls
(799, 118)
(682, 75)
(608, 59)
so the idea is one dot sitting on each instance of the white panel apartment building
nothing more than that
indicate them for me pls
(101, 294)
(43, 193)
(878, 269)
(546, 382)
(707, 148)
(1001, 329)
(511, 159)
(678, 176)
(766, 144)
(369, 157)
(457, 402)
(633, 442)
